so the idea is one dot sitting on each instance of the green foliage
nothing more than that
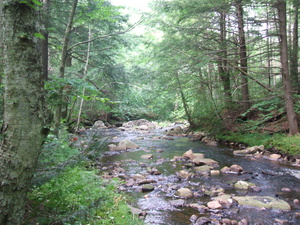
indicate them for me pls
(286, 144)
(79, 196)
(250, 139)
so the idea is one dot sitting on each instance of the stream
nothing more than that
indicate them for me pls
(271, 177)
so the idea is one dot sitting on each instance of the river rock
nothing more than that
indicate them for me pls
(199, 155)
(214, 205)
(225, 200)
(123, 145)
(99, 125)
(208, 162)
(183, 174)
(203, 168)
(262, 202)
(147, 156)
(147, 181)
(225, 169)
(188, 155)
(202, 221)
(236, 168)
(130, 182)
(249, 150)
(274, 157)
(244, 185)
(147, 188)
(243, 222)
(198, 207)
(184, 193)
(215, 172)
(177, 203)
(175, 131)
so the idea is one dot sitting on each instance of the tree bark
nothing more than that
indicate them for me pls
(24, 123)
(295, 49)
(63, 59)
(184, 102)
(222, 62)
(243, 56)
(45, 42)
(84, 77)
(289, 104)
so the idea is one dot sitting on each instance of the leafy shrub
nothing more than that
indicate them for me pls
(78, 196)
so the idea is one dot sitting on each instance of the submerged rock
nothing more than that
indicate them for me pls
(123, 145)
(147, 156)
(205, 161)
(262, 202)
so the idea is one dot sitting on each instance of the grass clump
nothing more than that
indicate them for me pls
(249, 139)
(79, 196)
(287, 144)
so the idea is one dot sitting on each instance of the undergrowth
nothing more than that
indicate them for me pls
(79, 196)
(285, 144)
(67, 190)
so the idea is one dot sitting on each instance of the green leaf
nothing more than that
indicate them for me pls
(39, 35)
(37, 2)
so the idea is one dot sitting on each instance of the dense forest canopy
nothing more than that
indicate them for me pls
(229, 65)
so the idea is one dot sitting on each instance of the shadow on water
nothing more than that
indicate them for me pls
(270, 176)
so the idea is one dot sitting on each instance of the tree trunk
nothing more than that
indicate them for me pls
(289, 104)
(63, 60)
(24, 108)
(222, 62)
(295, 49)
(84, 77)
(184, 102)
(243, 55)
(45, 57)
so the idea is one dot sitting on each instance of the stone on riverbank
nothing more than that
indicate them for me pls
(262, 202)
(250, 150)
(184, 193)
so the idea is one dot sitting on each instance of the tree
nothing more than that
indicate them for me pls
(243, 55)
(289, 104)
(25, 117)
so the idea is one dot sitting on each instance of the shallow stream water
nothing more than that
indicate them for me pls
(269, 176)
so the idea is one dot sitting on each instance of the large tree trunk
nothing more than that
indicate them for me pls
(289, 104)
(243, 56)
(23, 127)
(222, 62)
(295, 49)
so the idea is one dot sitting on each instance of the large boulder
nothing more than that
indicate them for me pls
(127, 144)
(262, 202)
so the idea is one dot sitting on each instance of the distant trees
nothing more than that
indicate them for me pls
(242, 46)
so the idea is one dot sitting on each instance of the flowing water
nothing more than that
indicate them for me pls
(269, 176)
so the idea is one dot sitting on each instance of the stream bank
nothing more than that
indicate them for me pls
(167, 185)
